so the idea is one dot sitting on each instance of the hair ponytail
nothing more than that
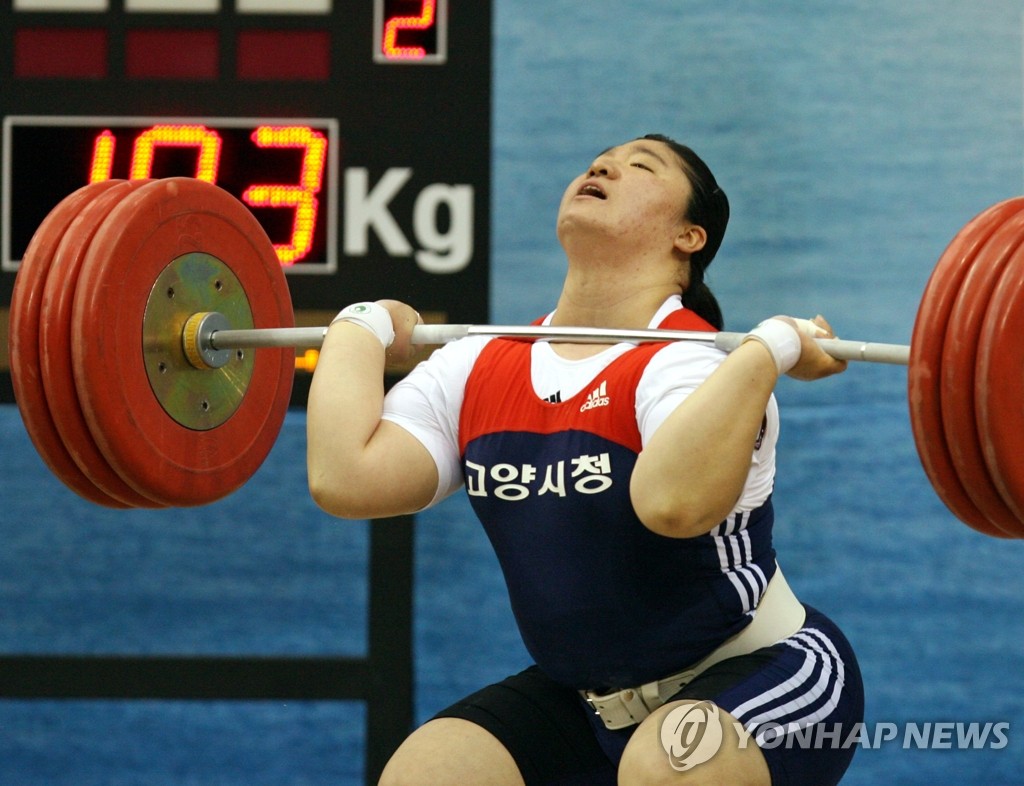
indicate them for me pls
(702, 301)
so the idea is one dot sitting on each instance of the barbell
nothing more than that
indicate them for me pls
(137, 302)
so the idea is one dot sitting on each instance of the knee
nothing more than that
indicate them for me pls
(398, 773)
(418, 761)
(404, 769)
(450, 752)
(691, 743)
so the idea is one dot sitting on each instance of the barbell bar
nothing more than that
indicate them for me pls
(434, 334)
(162, 287)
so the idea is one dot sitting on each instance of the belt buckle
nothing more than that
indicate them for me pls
(592, 698)
(614, 709)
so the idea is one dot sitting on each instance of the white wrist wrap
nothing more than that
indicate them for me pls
(781, 339)
(372, 316)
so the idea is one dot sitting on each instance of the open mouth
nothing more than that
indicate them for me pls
(592, 189)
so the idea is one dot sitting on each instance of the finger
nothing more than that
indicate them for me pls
(823, 323)
(812, 327)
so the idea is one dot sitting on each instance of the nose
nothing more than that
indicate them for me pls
(603, 165)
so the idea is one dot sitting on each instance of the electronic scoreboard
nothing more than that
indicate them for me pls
(357, 132)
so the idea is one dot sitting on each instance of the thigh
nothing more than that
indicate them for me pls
(695, 743)
(798, 701)
(541, 726)
(451, 752)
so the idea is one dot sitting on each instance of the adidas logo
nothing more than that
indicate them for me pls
(598, 397)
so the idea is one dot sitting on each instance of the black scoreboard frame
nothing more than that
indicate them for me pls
(432, 121)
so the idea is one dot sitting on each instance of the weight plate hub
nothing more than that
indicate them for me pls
(197, 398)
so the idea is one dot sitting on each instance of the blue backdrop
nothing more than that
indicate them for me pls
(854, 139)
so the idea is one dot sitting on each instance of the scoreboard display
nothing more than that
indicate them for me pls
(283, 169)
(357, 132)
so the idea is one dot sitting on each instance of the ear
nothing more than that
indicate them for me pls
(691, 239)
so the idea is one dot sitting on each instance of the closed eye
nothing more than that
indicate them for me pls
(639, 165)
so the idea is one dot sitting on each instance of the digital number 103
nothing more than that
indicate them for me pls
(209, 157)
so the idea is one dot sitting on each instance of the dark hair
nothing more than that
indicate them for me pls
(708, 208)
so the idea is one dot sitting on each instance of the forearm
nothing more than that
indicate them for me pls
(693, 469)
(344, 409)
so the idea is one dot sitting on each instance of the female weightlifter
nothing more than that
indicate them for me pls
(627, 490)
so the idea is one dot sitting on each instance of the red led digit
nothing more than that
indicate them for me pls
(102, 157)
(207, 140)
(301, 197)
(390, 46)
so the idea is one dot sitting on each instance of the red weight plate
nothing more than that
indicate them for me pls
(147, 230)
(960, 351)
(924, 372)
(998, 386)
(55, 348)
(23, 342)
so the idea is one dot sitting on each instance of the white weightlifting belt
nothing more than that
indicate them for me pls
(778, 616)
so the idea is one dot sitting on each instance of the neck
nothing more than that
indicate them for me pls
(616, 295)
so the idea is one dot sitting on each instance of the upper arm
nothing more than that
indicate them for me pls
(427, 405)
(372, 455)
(672, 376)
(674, 373)
(413, 456)
(401, 474)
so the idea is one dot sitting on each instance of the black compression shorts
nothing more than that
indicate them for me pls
(557, 740)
